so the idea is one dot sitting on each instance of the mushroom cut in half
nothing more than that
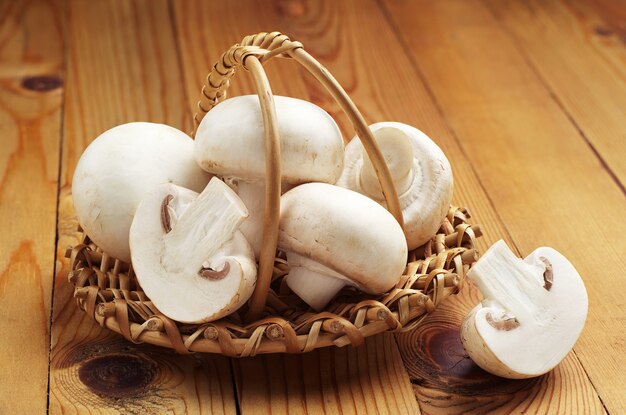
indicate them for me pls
(117, 170)
(230, 142)
(335, 237)
(532, 313)
(420, 171)
(188, 254)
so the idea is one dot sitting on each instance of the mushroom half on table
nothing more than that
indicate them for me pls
(230, 142)
(118, 168)
(188, 255)
(335, 237)
(532, 313)
(419, 169)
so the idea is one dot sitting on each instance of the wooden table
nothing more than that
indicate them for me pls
(527, 98)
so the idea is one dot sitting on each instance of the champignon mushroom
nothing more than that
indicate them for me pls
(117, 169)
(335, 237)
(230, 143)
(532, 313)
(420, 171)
(189, 257)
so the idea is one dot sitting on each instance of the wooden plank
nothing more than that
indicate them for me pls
(547, 185)
(582, 61)
(367, 379)
(122, 66)
(31, 90)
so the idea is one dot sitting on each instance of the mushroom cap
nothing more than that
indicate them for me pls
(344, 231)
(547, 322)
(426, 201)
(180, 292)
(230, 141)
(117, 169)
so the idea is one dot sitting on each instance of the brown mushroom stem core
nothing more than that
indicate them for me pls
(504, 323)
(215, 275)
(548, 276)
(165, 214)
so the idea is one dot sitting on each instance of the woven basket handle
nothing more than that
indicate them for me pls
(250, 54)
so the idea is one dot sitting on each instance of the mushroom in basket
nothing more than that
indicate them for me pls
(118, 168)
(230, 143)
(533, 312)
(420, 171)
(335, 237)
(189, 257)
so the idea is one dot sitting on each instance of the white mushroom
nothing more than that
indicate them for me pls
(117, 169)
(532, 313)
(420, 171)
(335, 237)
(230, 142)
(189, 257)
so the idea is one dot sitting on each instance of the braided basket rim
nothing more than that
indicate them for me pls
(107, 291)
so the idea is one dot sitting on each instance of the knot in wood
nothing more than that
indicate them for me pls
(42, 83)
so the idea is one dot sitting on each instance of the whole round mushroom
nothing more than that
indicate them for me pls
(420, 171)
(229, 142)
(188, 255)
(532, 313)
(118, 168)
(334, 237)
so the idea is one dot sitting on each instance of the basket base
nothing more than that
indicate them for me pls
(107, 290)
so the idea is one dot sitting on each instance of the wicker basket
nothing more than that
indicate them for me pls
(275, 320)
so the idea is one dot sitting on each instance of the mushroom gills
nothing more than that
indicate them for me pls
(532, 313)
(313, 282)
(420, 171)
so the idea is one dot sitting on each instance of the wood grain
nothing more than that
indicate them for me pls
(31, 90)
(368, 379)
(582, 61)
(122, 66)
(547, 185)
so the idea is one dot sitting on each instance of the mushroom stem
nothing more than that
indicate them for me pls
(512, 284)
(208, 223)
(396, 147)
(313, 282)
(315, 288)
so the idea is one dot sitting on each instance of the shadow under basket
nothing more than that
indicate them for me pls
(275, 320)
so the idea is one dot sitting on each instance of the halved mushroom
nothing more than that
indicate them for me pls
(419, 169)
(335, 237)
(533, 312)
(188, 255)
(117, 169)
(230, 142)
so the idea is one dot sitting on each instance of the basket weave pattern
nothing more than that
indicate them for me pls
(277, 321)
(107, 290)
